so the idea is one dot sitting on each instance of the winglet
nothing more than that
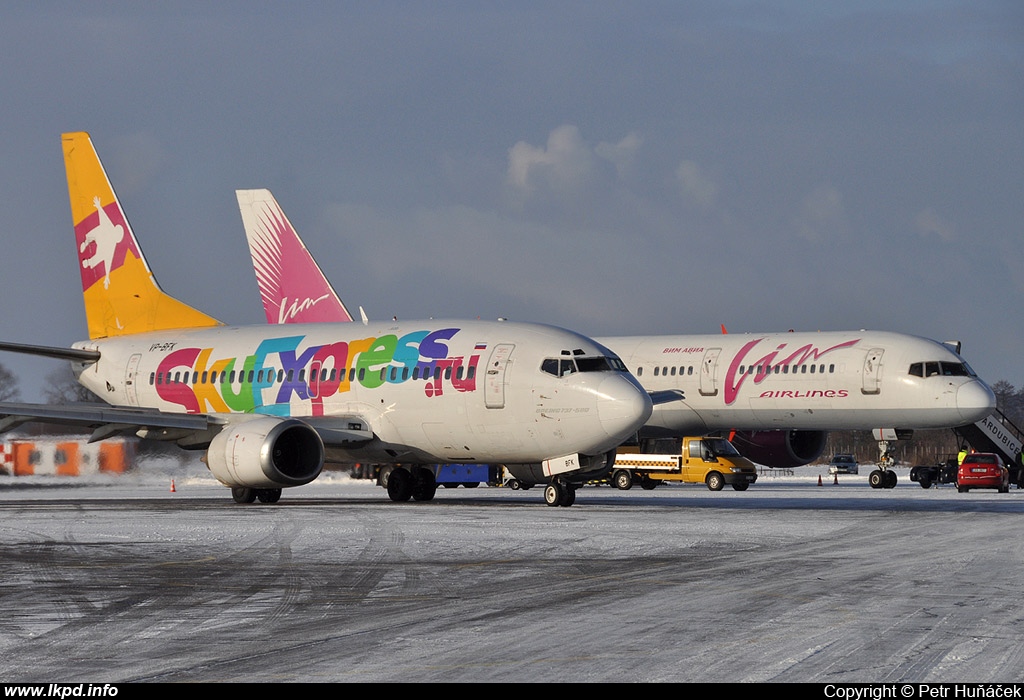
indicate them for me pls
(293, 287)
(121, 295)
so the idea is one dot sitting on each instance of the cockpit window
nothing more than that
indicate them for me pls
(562, 366)
(941, 369)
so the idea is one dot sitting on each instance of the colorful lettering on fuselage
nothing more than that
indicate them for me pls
(734, 378)
(280, 371)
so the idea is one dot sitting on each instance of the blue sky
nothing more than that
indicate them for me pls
(614, 168)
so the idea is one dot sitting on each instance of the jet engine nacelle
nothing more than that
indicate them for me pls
(781, 448)
(266, 453)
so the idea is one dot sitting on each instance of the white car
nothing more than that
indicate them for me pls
(843, 464)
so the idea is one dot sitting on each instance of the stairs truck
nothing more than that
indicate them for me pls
(711, 461)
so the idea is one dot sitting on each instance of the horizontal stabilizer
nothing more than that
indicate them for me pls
(46, 351)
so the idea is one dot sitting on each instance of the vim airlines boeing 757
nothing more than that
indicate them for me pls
(776, 395)
(271, 404)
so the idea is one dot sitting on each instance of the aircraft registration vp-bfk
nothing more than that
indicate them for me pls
(775, 395)
(271, 404)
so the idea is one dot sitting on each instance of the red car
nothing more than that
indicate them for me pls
(982, 470)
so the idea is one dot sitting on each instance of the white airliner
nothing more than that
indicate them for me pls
(776, 395)
(271, 403)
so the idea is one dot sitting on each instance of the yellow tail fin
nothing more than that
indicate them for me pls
(121, 295)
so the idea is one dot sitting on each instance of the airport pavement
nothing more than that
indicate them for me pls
(120, 579)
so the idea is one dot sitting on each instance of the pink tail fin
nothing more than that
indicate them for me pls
(292, 285)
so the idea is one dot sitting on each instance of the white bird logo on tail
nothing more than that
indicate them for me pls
(106, 236)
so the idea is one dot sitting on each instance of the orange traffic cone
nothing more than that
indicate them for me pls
(819, 479)
(172, 486)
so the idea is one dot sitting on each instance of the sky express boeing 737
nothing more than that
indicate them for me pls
(271, 404)
(776, 395)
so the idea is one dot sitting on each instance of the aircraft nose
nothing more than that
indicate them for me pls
(975, 400)
(623, 406)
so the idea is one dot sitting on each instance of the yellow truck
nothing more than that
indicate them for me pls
(693, 460)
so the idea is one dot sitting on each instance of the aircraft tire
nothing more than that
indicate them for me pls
(714, 481)
(241, 494)
(877, 479)
(400, 485)
(553, 494)
(268, 495)
(890, 479)
(424, 485)
(568, 496)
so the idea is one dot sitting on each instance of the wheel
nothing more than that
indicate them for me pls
(925, 482)
(649, 484)
(514, 484)
(268, 495)
(450, 485)
(877, 479)
(553, 494)
(471, 484)
(740, 487)
(423, 485)
(890, 479)
(962, 489)
(384, 475)
(623, 480)
(399, 485)
(243, 495)
(714, 481)
(568, 496)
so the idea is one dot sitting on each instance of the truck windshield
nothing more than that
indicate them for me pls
(720, 447)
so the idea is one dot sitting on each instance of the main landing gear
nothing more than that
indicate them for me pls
(242, 494)
(882, 479)
(417, 484)
(560, 493)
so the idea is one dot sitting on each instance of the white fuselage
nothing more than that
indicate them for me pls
(430, 391)
(804, 381)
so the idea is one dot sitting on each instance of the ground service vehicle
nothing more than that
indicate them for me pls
(693, 460)
(941, 473)
(982, 470)
(449, 476)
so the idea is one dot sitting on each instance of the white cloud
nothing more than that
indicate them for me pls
(622, 154)
(565, 163)
(929, 223)
(696, 187)
(821, 214)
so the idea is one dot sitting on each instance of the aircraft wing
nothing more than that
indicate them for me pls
(336, 431)
(107, 420)
(103, 419)
(666, 396)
